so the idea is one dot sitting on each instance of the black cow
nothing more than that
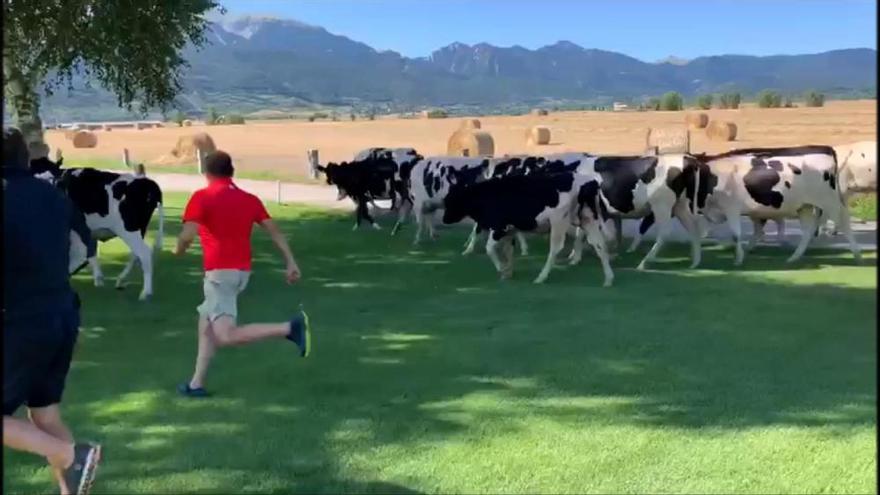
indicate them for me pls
(374, 174)
(114, 205)
(537, 202)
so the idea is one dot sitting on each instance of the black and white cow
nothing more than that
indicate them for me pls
(373, 174)
(114, 205)
(774, 184)
(636, 187)
(540, 202)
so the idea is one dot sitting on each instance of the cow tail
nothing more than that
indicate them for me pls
(597, 203)
(837, 172)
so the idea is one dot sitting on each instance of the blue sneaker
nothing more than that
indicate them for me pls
(301, 333)
(187, 391)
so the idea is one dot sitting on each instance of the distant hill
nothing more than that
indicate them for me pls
(255, 63)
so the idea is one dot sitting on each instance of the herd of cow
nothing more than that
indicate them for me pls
(578, 194)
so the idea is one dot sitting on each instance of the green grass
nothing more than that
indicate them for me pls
(864, 206)
(429, 375)
(190, 169)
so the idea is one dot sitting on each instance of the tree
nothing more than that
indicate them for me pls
(729, 100)
(653, 104)
(814, 99)
(179, 117)
(671, 101)
(130, 47)
(704, 102)
(769, 99)
(213, 117)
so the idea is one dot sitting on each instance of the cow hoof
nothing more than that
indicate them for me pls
(694, 265)
(467, 252)
(99, 282)
(119, 287)
(523, 253)
(608, 283)
(641, 267)
(354, 228)
(145, 297)
(574, 261)
(376, 226)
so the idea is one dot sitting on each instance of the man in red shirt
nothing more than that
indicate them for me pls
(223, 216)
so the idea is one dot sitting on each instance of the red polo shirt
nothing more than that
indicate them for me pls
(226, 215)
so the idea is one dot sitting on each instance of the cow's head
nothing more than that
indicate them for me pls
(46, 169)
(336, 175)
(858, 166)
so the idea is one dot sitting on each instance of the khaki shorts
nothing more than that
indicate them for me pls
(222, 288)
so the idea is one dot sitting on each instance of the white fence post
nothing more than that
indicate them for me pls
(125, 158)
(313, 163)
(278, 191)
(201, 160)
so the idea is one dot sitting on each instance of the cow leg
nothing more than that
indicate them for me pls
(97, 274)
(492, 251)
(120, 280)
(139, 249)
(844, 225)
(663, 217)
(757, 232)
(557, 242)
(507, 247)
(420, 222)
(644, 225)
(618, 233)
(523, 246)
(689, 222)
(577, 248)
(735, 224)
(471, 242)
(402, 212)
(780, 231)
(807, 217)
(597, 240)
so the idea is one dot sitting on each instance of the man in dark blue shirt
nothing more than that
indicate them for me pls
(40, 317)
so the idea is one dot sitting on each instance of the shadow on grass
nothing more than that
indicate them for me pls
(416, 346)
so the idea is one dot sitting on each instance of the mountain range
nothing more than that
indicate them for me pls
(254, 63)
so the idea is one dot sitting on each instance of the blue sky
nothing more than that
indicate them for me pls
(648, 30)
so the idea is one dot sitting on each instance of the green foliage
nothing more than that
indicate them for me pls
(671, 101)
(130, 48)
(437, 114)
(213, 118)
(814, 99)
(769, 99)
(653, 104)
(729, 100)
(788, 103)
(704, 102)
(352, 116)
(864, 206)
(371, 116)
(179, 117)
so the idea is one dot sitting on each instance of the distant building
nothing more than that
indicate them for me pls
(618, 106)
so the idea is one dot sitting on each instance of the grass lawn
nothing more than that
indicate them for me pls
(429, 375)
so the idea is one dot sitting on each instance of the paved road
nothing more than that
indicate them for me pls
(324, 196)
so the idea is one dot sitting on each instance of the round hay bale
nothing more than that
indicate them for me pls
(85, 139)
(187, 123)
(471, 124)
(539, 111)
(185, 150)
(538, 134)
(668, 140)
(468, 142)
(721, 131)
(696, 120)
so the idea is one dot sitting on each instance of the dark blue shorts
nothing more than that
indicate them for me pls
(37, 351)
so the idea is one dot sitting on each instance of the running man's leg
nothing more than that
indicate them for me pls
(23, 435)
(207, 349)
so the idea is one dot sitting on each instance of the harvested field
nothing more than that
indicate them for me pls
(279, 147)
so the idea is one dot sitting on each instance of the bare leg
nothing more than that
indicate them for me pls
(597, 240)
(207, 349)
(226, 333)
(26, 436)
(49, 420)
(808, 220)
(557, 242)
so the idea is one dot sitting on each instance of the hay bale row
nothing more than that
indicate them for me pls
(696, 120)
(469, 142)
(187, 123)
(668, 140)
(538, 135)
(721, 131)
(85, 139)
(470, 124)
